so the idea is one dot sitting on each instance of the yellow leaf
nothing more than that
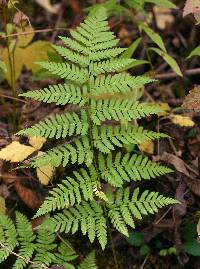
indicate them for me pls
(2, 205)
(44, 173)
(37, 51)
(183, 121)
(16, 152)
(18, 63)
(147, 147)
(24, 40)
(165, 107)
(37, 141)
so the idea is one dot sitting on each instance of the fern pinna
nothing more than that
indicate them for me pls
(103, 122)
(38, 250)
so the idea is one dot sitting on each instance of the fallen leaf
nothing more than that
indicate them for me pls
(46, 4)
(192, 100)
(28, 196)
(178, 163)
(166, 109)
(26, 56)
(194, 185)
(192, 6)
(183, 121)
(147, 147)
(16, 152)
(37, 141)
(44, 173)
(181, 208)
(163, 17)
(37, 51)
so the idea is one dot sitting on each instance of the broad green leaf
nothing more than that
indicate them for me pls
(162, 3)
(131, 49)
(136, 239)
(135, 63)
(156, 38)
(169, 60)
(194, 52)
(192, 247)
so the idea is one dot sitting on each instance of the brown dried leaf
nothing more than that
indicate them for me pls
(28, 196)
(180, 209)
(192, 100)
(191, 6)
(194, 185)
(178, 163)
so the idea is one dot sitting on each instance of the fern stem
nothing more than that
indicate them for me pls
(112, 243)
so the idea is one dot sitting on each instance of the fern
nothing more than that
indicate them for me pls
(121, 210)
(39, 249)
(60, 126)
(128, 167)
(105, 120)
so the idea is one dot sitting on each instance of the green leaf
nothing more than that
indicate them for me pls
(192, 248)
(162, 3)
(169, 60)
(194, 52)
(131, 49)
(136, 239)
(156, 38)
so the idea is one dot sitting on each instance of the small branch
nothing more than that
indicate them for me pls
(13, 98)
(35, 31)
(189, 72)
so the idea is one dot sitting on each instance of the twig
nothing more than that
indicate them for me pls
(35, 31)
(13, 98)
(162, 217)
(145, 260)
(189, 72)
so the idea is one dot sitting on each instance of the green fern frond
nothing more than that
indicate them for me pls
(120, 110)
(8, 237)
(45, 243)
(118, 83)
(128, 167)
(88, 262)
(59, 126)
(70, 191)
(126, 207)
(105, 54)
(61, 94)
(107, 137)
(69, 55)
(90, 218)
(96, 84)
(76, 152)
(67, 71)
(108, 66)
(65, 255)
